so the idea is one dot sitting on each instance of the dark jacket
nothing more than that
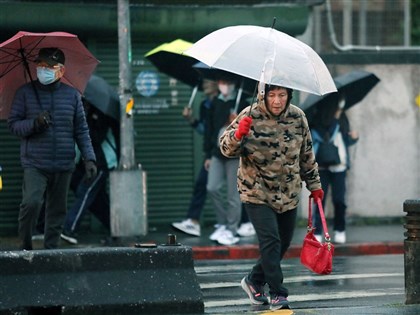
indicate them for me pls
(98, 124)
(218, 120)
(52, 149)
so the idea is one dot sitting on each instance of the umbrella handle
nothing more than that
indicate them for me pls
(253, 98)
(192, 97)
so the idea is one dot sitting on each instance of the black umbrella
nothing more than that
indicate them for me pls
(353, 86)
(101, 95)
(169, 59)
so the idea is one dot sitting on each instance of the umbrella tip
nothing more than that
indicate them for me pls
(274, 22)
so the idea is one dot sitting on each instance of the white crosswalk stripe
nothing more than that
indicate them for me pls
(220, 284)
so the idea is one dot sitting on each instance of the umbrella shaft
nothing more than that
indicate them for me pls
(194, 92)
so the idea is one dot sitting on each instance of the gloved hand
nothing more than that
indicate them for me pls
(42, 121)
(243, 128)
(91, 171)
(319, 193)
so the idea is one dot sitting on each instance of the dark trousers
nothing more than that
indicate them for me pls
(274, 232)
(337, 181)
(199, 195)
(36, 185)
(92, 196)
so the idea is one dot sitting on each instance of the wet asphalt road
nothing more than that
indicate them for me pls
(358, 285)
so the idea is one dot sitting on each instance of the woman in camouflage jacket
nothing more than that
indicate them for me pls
(274, 144)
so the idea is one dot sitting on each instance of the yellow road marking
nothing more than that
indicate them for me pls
(279, 312)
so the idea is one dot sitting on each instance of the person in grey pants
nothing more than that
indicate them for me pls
(223, 170)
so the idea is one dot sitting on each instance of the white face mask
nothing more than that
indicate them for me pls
(226, 89)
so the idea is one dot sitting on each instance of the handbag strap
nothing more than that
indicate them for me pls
(334, 133)
(321, 213)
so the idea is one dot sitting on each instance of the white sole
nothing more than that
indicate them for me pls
(246, 289)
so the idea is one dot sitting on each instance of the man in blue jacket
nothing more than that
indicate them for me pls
(49, 118)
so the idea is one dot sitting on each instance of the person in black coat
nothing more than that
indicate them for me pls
(330, 123)
(48, 116)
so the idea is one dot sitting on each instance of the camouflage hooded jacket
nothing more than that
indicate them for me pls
(275, 157)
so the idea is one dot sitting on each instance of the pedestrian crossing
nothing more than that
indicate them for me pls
(222, 293)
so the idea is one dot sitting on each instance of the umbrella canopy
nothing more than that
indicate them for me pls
(265, 55)
(168, 59)
(353, 86)
(17, 62)
(101, 95)
(247, 84)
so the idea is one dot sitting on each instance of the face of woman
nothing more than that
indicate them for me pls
(276, 100)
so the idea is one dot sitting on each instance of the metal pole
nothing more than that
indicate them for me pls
(347, 22)
(124, 53)
(407, 23)
(128, 183)
(362, 22)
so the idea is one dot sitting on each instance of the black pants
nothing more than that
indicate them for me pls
(274, 232)
(337, 181)
(36, 185)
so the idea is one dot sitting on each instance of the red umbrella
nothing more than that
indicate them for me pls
(17, 62)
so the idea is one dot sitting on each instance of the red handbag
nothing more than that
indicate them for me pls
(317, 256)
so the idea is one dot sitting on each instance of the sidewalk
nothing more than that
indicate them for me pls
(361, 240)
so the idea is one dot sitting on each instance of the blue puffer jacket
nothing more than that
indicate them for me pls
(52, 149)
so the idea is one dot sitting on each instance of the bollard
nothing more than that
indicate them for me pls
(412, 251)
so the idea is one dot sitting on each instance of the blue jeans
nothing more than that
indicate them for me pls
(90, 196)
(338, 189)
(275, 232)
(199, 195)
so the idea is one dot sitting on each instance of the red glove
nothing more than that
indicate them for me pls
(243, 128)
(319, 193)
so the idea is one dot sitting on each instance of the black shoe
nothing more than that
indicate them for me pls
(255, 292)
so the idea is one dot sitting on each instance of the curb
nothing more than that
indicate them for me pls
(252, 252)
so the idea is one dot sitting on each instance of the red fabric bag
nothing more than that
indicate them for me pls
(317, 256)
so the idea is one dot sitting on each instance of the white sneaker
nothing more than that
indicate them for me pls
(246, 229)
(69, 239)
(38, 237)
(219, 230)
(318, 237)
(188, 226)
(339, 237)
(227, 238)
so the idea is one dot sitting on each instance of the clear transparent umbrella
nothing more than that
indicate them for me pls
(265, 55)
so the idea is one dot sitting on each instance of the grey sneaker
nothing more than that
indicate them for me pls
(255, 292)
(278, 301)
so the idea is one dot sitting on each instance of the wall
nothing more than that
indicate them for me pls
(385, 161)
